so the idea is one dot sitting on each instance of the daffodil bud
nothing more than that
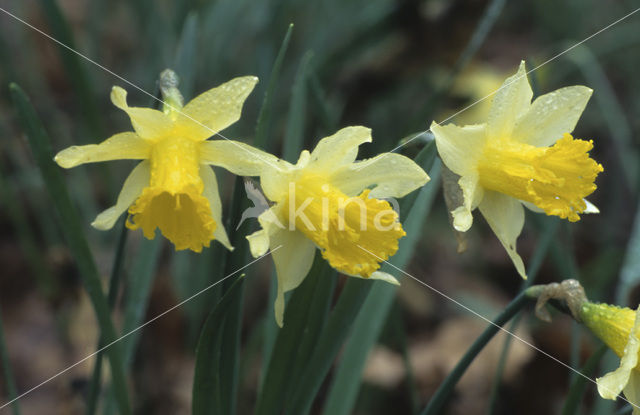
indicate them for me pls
(617, 327)
(172, 100)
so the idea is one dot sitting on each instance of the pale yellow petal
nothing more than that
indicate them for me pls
(148, 123)
(213, 196)
(239, 158)
(591, 208)
(611, 384)
(258, 243)
(552, 115)
(340, 148)
(505, 216)
(383, 276)
(137, 180)
(472, 194)
(632, 391)
(216, 109)
(510, 102)
(460, 147)
(123, 146)
(293, 256)
(392, 175)
(532, 207)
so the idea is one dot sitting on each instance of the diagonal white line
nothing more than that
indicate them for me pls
(527, 73)
(133, 85)
(137, 328)
(515, 336)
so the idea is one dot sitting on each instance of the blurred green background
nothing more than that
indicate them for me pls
(391, 65)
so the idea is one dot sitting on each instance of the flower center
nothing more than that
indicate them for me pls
(173, 201)
(355, 234)
(556, 179)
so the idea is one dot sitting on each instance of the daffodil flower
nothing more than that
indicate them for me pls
(523, 155)
(174, 188)
(619, 329)
(329, 201)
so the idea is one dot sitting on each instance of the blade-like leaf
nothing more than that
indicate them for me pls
(8, 373)
(74, 67)
(41, 147)
(264, 118)
(114, 286)
(207, 382)
(294, 138)
(579, 384)
(304, 318)
(138, 290)
(186, 55)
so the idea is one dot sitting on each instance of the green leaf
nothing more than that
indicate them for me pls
(304, 318)
(425, 159)
(230, 344)
(114, 285)
(264, 118)
(207, 382)
(579, 384)
(136, 300)
(630, 272)
(41, 147)
(330, 340)
(76, 70)
(611, 110)
(187, 56)
(294, 138)
(7, 373)
(324, 111)
(398, 327)
(138, 290)
(371, 319)
(7, 71)
(270, 329)
(192, 272)
(27, 238)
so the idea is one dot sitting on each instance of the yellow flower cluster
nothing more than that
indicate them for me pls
(523, 155)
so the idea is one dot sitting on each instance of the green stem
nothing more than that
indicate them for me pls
(626, 410)
(8, 373)
(441, 396)
(330, 340)
(578, 385)
(114, 284)
(536, 262)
